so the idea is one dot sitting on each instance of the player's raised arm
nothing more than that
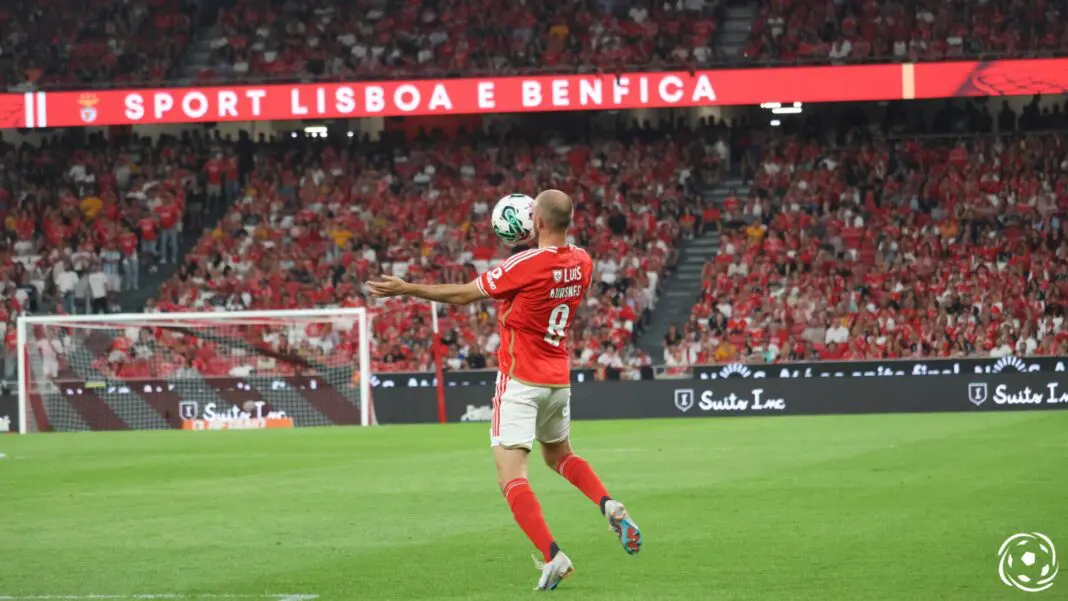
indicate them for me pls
(453, 294)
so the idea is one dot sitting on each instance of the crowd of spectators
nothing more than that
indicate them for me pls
(314, 221)
(369, 38)
(846, 247)
(913, 30)
(64, 43)
(872, 248)
(59, 42)
(84, 219)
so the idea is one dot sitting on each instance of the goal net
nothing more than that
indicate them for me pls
(214, 370)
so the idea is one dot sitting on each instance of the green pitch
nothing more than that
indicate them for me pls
(824, 508)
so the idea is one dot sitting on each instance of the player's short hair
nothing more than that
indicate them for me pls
(556, 208)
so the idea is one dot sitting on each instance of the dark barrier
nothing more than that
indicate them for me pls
(412, 398)
(9, 413)
(418, 405)
(896, 368)
(693, 397)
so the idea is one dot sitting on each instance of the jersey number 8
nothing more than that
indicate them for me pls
(558, 325)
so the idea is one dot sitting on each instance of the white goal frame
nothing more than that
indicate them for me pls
(27, 321)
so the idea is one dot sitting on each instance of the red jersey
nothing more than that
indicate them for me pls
(540, 290)
(214, 169)
(148, 229)
(168, 215)
(128, 243)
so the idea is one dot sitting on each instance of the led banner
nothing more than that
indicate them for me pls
(532, 94)
(889, 368)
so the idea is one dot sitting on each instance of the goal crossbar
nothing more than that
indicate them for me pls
(191, 319)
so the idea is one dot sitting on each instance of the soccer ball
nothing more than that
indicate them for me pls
(513, 218)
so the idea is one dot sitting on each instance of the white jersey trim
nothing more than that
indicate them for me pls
(523, 256)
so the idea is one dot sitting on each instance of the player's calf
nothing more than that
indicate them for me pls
(578, 472)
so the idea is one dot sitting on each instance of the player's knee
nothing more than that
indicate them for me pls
(504, 477)
(553, 453)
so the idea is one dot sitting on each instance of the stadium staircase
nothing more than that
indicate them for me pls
(150, 282)
(198, 57)
(734, 30)
(680, 289)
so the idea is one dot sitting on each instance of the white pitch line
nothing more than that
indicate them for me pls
(282, 597)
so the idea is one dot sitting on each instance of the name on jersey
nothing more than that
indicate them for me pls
(563, 276)
(571, 274)
(565, 292)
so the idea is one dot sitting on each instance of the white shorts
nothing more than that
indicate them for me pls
(523, 414)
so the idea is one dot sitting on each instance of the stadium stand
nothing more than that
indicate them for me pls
(856, 30)
(63, 43)
(316, 221)
(327, 40)
(830, 255)
(42, 44)
(878, 248)
(83, 220)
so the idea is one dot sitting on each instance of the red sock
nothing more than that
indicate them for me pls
(579, 473)
(527, 513)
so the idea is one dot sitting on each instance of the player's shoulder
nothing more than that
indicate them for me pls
(581, 253)
(579, 250)
(527, 257)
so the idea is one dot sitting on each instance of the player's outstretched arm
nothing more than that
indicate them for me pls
(453, 294)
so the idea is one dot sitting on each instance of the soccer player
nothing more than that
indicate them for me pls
(539, 290)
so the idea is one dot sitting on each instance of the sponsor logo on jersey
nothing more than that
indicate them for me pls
(492, 276)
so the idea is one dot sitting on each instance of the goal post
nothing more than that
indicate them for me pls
(202, 370)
